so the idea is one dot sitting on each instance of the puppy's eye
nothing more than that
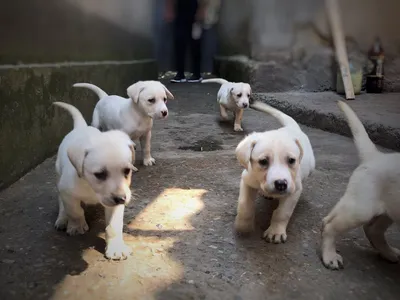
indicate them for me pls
(102, 175)
(239, 95)
(291, 161)
(152, 100)
(263, 162)
(126, 172)
(165, 100)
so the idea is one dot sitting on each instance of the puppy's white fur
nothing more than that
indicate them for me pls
(232, 96)
(94, 167)
(372, 198)
(273, 160)
(134, 115)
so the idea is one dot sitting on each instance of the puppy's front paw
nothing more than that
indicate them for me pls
(244, 226)
(332, 260)
(237, 128)
(275, 234)
(117, 250)
(149, 161)
(77, 227)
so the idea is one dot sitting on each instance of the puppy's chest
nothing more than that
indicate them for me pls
(138, 130)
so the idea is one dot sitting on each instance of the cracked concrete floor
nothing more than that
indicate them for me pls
(180, 226)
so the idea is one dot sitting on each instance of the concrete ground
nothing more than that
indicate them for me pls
(180, 226)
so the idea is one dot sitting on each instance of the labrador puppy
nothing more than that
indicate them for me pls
(232, 96)
(372, 198)
(94, 167)
(275, 162)
(134, 115)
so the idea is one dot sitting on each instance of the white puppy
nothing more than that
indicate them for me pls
(94, 167)
(232, 96)
(276, 162)
(134, 115)
(372, 198)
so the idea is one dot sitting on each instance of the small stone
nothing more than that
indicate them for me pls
(8, 261)
(191, 281)
(213, 247)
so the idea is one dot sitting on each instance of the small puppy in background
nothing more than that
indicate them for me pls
(232, 96)
(372, 198)
(94, 167)
(134, 115)
(276, 162)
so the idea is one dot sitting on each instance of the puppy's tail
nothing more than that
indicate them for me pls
(92, 87)
(284, 119)
(366, 148)
(215, 80)
(79, 121)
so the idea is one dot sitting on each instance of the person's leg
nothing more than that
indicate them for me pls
(179, 50)
(195, 45)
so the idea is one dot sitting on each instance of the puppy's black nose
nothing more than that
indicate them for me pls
(280, 185)
(119, 199)
(245, 105)
(164, 113)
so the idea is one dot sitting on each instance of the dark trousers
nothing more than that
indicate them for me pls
(185, 12)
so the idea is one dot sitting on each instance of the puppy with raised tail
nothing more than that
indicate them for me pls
(372, 198)
(94, 167)
(134, 115)
(276, 162)
(232, 96)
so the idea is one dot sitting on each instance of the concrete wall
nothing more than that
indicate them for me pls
(48, 45)
(295, 36)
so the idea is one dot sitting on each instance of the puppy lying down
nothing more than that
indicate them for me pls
(276, 162)
(134, 115)
(94, 167)
(232, 96)
(372, 198)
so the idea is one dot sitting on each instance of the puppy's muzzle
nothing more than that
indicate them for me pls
(281, 185)
(164, 113)
(119, 199)
(245, 105)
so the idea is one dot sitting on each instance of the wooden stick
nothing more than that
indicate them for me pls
(333, 12)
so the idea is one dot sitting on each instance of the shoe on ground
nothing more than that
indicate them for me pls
(179, 78)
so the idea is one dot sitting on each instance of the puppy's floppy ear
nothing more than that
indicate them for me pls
(231, 90)
(301, 150)
(134, 91)
(245, 148)
(77, 157)
(169, 94)
(251, 91)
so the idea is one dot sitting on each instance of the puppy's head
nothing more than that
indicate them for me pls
(241, 92)
(151, 97)
(273, 160)
(107, 166)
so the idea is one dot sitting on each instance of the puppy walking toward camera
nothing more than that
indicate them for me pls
(372, 198)
(232, 96)
(94, 167)
(276, 162)
(134, 115)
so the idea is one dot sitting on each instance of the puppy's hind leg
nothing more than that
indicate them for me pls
(62, 219)
(375, 232)
(244, 222)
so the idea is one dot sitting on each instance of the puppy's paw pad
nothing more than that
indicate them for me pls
(149, 161)
(238, 128)
(61, 224)
(333, 261)
(118, 251)
(275, 235)
(77, 228)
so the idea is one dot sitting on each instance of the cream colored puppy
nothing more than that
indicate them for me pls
(372, 198)
(276, 162)
(94, 167)
(134, 115)
(232, 96)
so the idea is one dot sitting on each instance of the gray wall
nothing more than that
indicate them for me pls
(45, 47)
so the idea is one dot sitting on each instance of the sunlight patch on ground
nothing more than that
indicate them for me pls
(149, 270)
(171, 210)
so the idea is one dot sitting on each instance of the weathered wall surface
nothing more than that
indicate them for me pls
(46, 46)
(294, 39)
